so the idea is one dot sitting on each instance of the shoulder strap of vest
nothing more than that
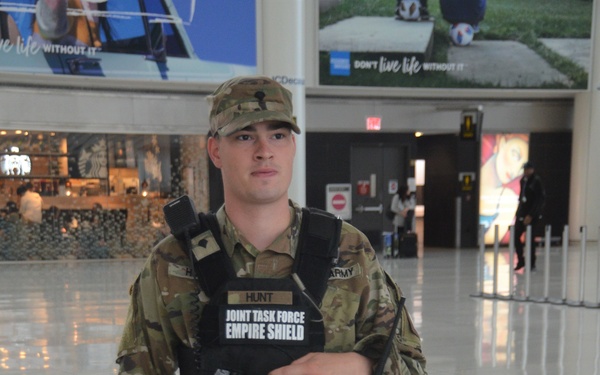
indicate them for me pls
(215, 269)
(318, 248)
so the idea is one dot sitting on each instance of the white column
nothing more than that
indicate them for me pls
(281, 52)
(584, 201)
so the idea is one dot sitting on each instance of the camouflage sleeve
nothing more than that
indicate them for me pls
(375, 320)
(153, 328)
(406, 356)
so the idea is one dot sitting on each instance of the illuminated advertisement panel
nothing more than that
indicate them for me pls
(163, 40)
(502, 159)
(456, 43)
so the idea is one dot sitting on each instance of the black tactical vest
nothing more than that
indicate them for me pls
(252, 326)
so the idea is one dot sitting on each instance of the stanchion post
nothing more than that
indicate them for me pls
(481, 261)
(565, 249)
(528, 251)
(582, 255)
(547, 236)
(511, 271)
(598, 273)
(547, 262)
(597, 303)
(511, 257)
(496, 252)
(582, 264)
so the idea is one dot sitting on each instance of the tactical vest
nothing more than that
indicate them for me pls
(252, 326)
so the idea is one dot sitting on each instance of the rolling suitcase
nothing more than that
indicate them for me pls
(407, 245)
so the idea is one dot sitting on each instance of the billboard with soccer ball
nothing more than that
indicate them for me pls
(537, 44)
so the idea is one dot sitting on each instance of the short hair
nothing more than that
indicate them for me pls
(21, 190)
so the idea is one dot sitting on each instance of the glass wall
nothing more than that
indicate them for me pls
(101, 194)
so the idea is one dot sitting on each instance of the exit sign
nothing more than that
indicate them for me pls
(374, 123)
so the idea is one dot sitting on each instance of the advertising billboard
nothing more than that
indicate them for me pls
(502, 159)
(164, 40)
(536, 44)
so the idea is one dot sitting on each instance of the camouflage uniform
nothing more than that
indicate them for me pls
(358, 306)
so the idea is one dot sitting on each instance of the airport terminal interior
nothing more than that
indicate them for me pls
(66, 317)
(108, 130)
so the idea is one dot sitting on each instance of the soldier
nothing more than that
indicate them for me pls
(298, 291)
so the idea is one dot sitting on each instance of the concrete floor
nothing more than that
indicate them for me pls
(66, 317)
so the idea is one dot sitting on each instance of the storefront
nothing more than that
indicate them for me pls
(102, 194)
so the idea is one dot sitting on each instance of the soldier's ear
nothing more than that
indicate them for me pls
(213, 148)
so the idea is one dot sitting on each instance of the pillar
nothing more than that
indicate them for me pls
(281, 56)
(584, 199)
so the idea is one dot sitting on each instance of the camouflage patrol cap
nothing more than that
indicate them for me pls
(247, 100)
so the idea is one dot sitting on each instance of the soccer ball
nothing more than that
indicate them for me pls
(409, 9)
(461, 34)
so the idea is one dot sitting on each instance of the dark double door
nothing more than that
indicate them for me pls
(376, 172)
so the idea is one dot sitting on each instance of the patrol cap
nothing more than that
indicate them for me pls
(243, 101)
(528, 165)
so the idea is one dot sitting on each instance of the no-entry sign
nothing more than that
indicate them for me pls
(339, 200)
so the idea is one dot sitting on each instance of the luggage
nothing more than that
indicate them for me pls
(407, 245)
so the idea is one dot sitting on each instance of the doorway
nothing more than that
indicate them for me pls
(377, 170)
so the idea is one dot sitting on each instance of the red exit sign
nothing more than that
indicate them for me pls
(374, 123)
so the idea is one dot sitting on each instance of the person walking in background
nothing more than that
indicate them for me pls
(532, 199)
(401, 204)
(30, 209)
(30, 205)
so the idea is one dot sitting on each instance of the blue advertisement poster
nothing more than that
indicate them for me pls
(497, 44)
(165, 40)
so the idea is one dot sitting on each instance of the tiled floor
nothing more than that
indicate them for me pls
(65, 317)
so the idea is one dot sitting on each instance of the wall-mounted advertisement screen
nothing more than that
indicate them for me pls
(516, 44)
(502, 159)
(157, 40)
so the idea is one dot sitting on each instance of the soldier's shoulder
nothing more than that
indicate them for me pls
(169, 249)
(355, 241)
(349, 229)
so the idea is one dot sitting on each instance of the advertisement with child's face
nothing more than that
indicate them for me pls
(470, 44)
(164, 40)
(502, 159)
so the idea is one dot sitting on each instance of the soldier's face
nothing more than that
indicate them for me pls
(256, 162)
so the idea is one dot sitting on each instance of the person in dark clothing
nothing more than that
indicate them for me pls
(531, 203)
